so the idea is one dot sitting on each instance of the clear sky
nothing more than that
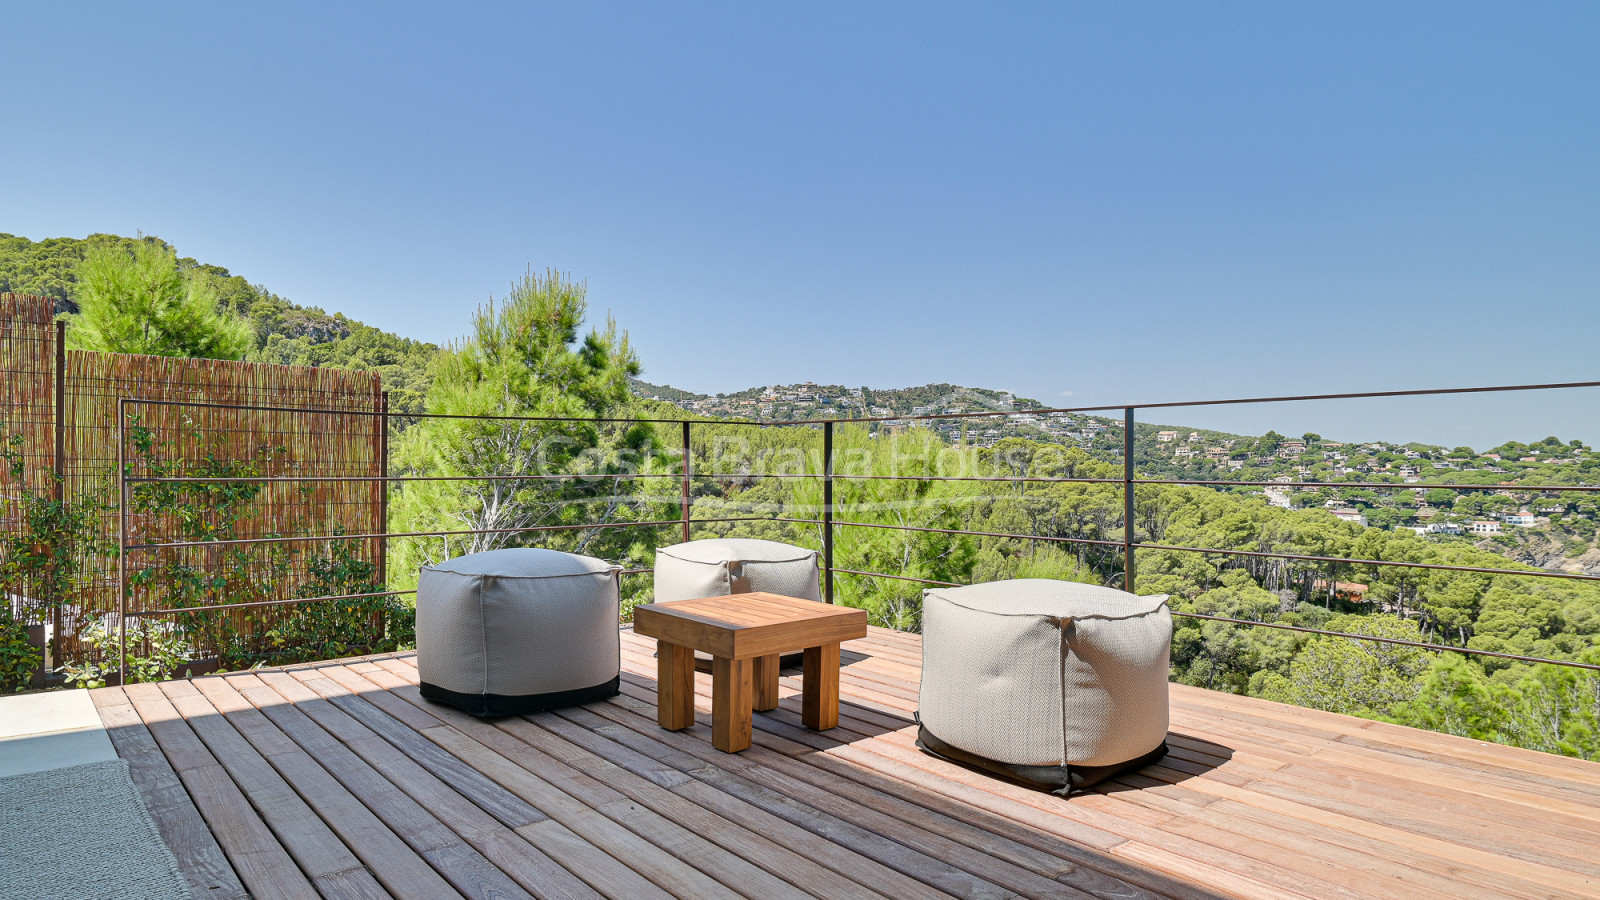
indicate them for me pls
(1086, 204)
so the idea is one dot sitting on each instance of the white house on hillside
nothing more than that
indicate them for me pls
(1347, 514)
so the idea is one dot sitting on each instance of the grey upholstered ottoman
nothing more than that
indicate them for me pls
(515, 631)
(716, 568)
(1052, 683)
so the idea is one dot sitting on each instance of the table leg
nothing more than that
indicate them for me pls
(819, 705)
(674, 686)
(730, 703)
(766, 682)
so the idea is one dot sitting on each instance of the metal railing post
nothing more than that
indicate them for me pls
(1127, 500)
(122, 541)
(827, 511)
(383, 489)
(378, 624)
(686, 474)
(53, 646)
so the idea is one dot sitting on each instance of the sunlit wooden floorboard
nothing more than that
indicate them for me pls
(337, 780)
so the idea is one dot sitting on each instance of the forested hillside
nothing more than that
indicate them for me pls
(1374, 501)
(285, 332)
(1541, 707)
(1379, 483)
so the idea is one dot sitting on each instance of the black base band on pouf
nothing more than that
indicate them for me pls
(492, 705)
(1062, 780)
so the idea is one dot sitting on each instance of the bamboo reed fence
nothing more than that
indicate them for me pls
(28, 359)
(63, 404)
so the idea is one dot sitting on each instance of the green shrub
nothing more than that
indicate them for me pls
(18, 659)
(168, 653)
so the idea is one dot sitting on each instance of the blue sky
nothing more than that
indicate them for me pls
(1081, 203)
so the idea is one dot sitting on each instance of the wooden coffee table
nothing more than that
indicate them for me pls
(745, 633)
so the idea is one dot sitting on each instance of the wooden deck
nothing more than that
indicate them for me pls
(338, 780)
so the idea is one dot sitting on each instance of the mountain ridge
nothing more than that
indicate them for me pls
(286, 333)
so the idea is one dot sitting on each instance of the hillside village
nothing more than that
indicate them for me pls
(1373, 484)
(1310, 471)
(896, 410)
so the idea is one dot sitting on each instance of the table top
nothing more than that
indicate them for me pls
(739, 626)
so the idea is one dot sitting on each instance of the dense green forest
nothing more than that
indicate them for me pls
(285, 333)
(1543, 707)
(1057, 530)
(1380, 483)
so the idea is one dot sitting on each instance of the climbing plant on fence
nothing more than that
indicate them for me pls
(46, 556)
(253, 572)
(58, 528)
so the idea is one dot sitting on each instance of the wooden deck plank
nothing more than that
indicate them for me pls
(1234, 884)
(264, 867)
(314, 846)
(1367, 793)
(758, 819)
(420, 828)
(1027, 871)
(1257, 875)
(751, 783)
(1207, 844)
(393, 860)
(1271, 838)
(205, 867)
(602, 826)
(1534, 796)
(1215, 839)
(452, 755)
(1472, 779)
(808, 812)
(530, 743)
(1026, 874)
(460, 775)
(523, 861)
(1567, 773)
(555, 731)
(1577, 881)
(658, 816)
(1254, 800)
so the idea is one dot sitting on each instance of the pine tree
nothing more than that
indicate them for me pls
(138, 300)
(524, 358)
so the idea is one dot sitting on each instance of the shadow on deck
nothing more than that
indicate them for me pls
(337, 780)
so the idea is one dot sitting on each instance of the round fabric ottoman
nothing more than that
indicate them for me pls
(716, 568)
(1055, 684)
(520, 630)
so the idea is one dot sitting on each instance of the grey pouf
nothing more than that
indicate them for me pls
(723, 566)
(516, 631)
(1052, 683)
(716, 568)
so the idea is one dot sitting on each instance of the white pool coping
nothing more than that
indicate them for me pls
(50, 730)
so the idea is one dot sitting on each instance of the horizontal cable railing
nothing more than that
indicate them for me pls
(1392, 485)
(523, 529)
(1129, 544)
(1398, 641)
(254, 604)
(898, 577)
(341, 479)
(994, 534)
(1532, 573)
